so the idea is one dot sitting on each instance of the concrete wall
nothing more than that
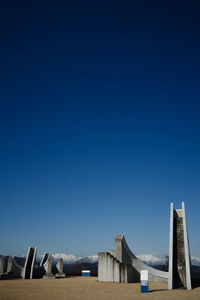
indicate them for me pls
(109, 269)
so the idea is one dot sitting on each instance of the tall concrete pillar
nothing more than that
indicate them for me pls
(179, 255)
(2, 259)
(116, 271)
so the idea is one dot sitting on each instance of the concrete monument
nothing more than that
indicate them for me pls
(29, 263)
(59, 267)
(2, 260)
(14, 270)
(121, 265)
(44, 259)
(48, 266)
(179, 254)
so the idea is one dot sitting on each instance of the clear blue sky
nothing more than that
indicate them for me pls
(100, 124)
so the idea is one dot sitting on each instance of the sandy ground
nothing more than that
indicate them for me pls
(74, 288)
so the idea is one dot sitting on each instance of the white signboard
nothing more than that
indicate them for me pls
(144, 275)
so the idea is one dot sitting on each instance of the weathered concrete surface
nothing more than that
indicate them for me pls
(2, 259)
(13, 269)
(44, 259)
(59, 267)
(121, 265)
(130, 266)
(179, 254)
(48, 268)
(29, 263)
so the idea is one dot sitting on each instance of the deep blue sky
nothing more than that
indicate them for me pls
(100, 124)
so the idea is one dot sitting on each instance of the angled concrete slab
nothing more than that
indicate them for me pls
(29, 263)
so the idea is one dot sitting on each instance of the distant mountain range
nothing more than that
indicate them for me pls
(146, 258)
(71, 259)
(149, 259)
(73, 265)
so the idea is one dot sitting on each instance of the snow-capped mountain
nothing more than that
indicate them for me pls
(146, 258)
(67, 258)
(195, 261)
(153, 260)
(89, 259)
(71, 259)
(150, 259)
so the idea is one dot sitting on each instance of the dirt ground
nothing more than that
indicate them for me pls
(86, 288)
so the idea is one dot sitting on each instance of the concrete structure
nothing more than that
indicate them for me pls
(121, 265)
(59, 266)
(44, 259)
(13, 269)
(179, 254)
(2, 259)
(29, 263)
(48, 266)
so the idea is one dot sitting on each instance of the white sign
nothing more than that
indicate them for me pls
(144, 275)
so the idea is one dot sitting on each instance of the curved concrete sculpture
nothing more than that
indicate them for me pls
(121, 265)
(123, 252)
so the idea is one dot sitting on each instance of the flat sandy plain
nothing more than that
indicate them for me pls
(86, 288)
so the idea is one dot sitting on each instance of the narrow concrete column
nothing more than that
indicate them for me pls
(2, 259)
(116, 271)
(118, 248)
(110, 268)
(187, 250)
(9, 265)
(179, 254)
(171, 232)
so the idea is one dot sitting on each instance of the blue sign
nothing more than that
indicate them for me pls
(144, 276)
(86, 273)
